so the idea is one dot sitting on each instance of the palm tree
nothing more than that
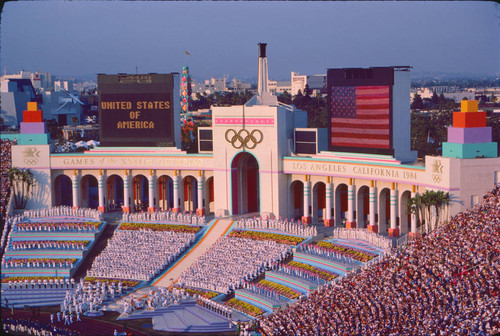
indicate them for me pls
(437, 200)
(415, 207)
(441, 200)
(21, 181)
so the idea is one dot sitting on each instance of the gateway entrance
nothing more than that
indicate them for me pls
(245, 184)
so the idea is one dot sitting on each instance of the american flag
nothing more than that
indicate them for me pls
(360, 116)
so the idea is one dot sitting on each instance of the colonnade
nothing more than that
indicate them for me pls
(354, 214)
(196, 197)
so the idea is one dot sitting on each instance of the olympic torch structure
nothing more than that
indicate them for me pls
(262, 72)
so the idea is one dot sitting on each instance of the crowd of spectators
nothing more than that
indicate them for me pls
(36, 328)
(231, 261)
(283, 225)
(5, 165)
(444, 283)
(139, 254)
(164, 215)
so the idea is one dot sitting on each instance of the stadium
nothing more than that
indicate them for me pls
(272, 228)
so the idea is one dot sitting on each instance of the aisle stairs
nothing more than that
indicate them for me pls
(217, 229)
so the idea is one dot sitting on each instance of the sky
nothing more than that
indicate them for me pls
(84, 38)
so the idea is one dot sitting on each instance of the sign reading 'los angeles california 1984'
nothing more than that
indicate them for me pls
(136, 110)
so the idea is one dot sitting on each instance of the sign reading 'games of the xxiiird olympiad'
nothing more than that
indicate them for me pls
(136, 110)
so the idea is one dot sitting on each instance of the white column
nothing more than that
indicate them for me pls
(176, 193)
(100, 190)
(126, 192)
(413, 229)
(151, 193)
(328, 203)
(307, 201)
(201, 193)
(350, 221)
(373, 209)
(76, 190)
(394, 231)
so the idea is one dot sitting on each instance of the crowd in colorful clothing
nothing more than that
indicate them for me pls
(231, 261)
(444, 283)
(139, 254)
(5, 165)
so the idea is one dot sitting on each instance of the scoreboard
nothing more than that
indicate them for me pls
(137, 110)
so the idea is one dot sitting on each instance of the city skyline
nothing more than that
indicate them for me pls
(219, 38)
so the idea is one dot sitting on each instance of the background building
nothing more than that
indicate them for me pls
(316, 83)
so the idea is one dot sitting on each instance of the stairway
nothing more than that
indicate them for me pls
(218, 229)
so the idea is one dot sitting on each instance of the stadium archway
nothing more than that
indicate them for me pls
(90, 192)
(245, 184)
(189, 193)
(340, 203)
(384, 210)
(296, 200)
(165, 192)
(114, 192)
(140, 193)
(319, 202)
(63, 191)
(362, 206)
(404, 215)
(209, 195)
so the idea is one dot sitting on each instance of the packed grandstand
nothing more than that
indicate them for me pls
(445, 282)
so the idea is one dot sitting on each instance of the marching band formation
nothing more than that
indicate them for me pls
(164, 215)
(231, 261)
(139, 254)
(283, 225)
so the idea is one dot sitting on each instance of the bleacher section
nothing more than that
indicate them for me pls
(33, 297)
(46, 261)
(314, 272)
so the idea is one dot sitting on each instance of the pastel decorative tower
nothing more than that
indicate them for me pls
(33, 128)
(469, 137)
(185, 90)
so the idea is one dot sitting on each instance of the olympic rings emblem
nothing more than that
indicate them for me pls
(31, 162)
(243, 138)
(437, 178)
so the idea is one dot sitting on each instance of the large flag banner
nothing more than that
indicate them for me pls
(360, 116)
